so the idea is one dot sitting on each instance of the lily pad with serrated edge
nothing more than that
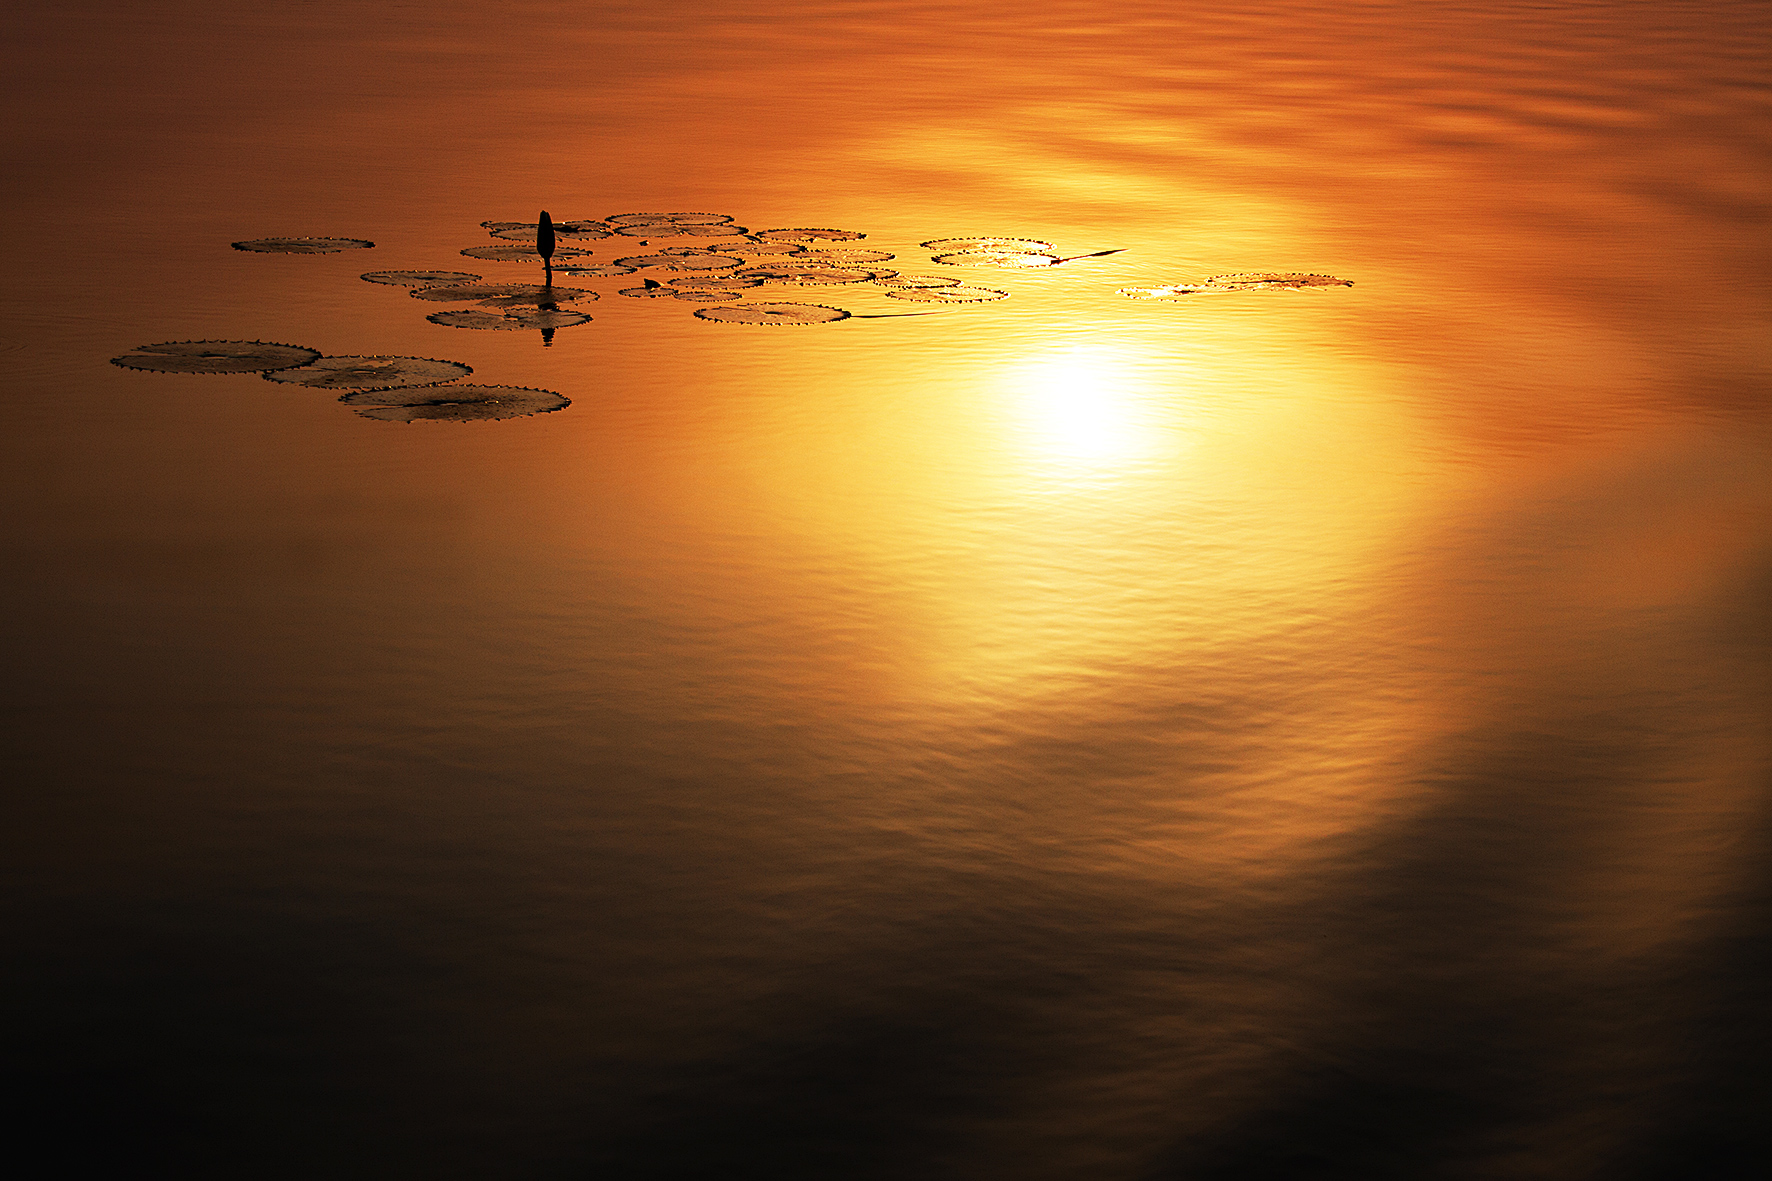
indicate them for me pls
(693, 295)
(215, 356)
(804, 235)
(715, 282)
(652, 290)
(302, 245)
(703, 219)
(1002, 259)
(683, 262)
(520, 253)
(950, 245)
(959, 294)
(773, 313)
(807, 276)
(916, 281)
(526, 231)
(455, 403)
(1271, 279)
(370, 373)
(779, 249)
(593, 271)
(473, 292)
(417, 278)
(842, 256)
(511, 321)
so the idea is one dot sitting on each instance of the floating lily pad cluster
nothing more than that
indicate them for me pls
(392, 389)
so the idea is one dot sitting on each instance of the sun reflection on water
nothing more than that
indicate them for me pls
(1080, 409)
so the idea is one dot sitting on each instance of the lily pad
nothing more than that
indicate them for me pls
(997, 258)
(842, 256)
(807, 276)
(895, 280)
(686, 219)
(766, 248)
(455, 403)
(1022, 245)
(773, 313)
(1251, 280)
(959, 294)
(536, 293)
(303, 245)
(370, 373)
(417, 278)
(215, 356)
(519, 253)
(683, 262)
(716, 282)
(593, 271)
(526, 231)
(803, 235)
(511, 321)
(652, 290)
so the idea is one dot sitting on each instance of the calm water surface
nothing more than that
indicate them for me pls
(1289, 735)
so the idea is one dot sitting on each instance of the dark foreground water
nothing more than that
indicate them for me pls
(1292, 734)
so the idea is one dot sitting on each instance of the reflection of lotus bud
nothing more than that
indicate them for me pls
(544, 236)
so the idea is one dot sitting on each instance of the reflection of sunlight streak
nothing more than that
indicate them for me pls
(1079, 407)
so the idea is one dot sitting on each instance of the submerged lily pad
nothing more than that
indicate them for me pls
(455, 403)
(807, 276)
(367, 373)
(1020, 245)
(997, 258)
(1249, 280)
(527, 292)
(957, 294)
(1177, 291)
(417, 278)
(303, 245)
(215, 356)
(683, 262)
(804, 235)
(519, 253)
(774, 313)
(511, 321)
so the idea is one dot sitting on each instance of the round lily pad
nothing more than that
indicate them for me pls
(526, 231)
(716, 282)
(1024, 245)
(896, 280)
(303, 245)
(803, 235)
(1256, 279)
(417, 278)
(705, 296)
(807, 276)
(215, 356)
(773, 313)
(997, 258)
(527, 292)
(960, 294)
(593, 271)
(842, 256)
(683, 262)
(455, 403)
(511, 321)
(755, 248)
(519, 253)
(687, 219)
(652, 290)
(366, 373)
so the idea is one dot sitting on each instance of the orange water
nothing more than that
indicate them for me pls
(1292, 734)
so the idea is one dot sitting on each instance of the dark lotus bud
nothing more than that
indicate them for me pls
(544, 236)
